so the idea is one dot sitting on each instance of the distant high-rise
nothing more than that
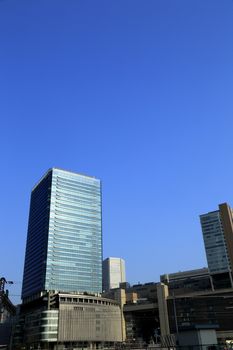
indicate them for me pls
(64, 241)
(113, 273)
(217, 229)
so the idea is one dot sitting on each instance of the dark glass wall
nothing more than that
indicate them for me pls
(37, 238)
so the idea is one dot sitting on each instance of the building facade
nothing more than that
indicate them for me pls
(66, 320)
(64, 241)
(62, 306)
(217, 229)
(7, 319)
(113, 273)
(187, 281)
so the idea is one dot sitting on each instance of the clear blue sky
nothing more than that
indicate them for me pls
(138, 93)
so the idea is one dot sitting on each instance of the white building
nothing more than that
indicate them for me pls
(113, 273)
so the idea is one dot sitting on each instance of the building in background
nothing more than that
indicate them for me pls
(183, 303)
(63, 271)
(188, 281)
(189, 303)
(113, 273)
(202, 309)
(64, 241)
(217, 229)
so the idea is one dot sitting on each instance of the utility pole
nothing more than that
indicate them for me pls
(3, 281)
(3, 295)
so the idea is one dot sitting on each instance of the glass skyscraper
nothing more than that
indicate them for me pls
(64, 241)
(217, 229)
(215, 243)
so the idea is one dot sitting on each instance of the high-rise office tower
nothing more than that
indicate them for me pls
(64, 241)
(113, 273)
(217, 229)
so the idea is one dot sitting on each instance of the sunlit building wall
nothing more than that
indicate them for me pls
(64, 242)
(113, 273)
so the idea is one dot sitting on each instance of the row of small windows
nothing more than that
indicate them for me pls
(216, 247)
(68, 198)
(69, 272)
(61, 204)
(68, 221)
(86, 301)
(77, 216)
(76, 185)
(76, 213)
(84, 230)
(80, 192)
(69, 260)
(67, 280)
(69, 265)
(93, 258)
(75, 247)
(64, 198)
(78, 243)
(82, 241)
(91, 207)
(78, 181)
(63, 273)
(81, 195)
(81, 224)
(60, 175)
(59, 248)
(78, 236)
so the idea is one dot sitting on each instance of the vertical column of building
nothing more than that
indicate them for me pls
(162, 294)
(120, 296)
(226, 217)
(37, 238)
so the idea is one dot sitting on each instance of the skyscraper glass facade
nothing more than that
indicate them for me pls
(215, 245)
(65, 231)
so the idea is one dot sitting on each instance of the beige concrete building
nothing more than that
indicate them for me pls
(162, 294)
(89, 319)
(65, 320)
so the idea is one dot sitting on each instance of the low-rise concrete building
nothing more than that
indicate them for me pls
(58, 320)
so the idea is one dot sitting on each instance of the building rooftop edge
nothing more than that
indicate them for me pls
(194, 271)
(64, 170)
(217, 210)
(209, 212)
(113, 257)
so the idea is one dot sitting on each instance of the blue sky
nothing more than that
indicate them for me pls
(138, 93)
